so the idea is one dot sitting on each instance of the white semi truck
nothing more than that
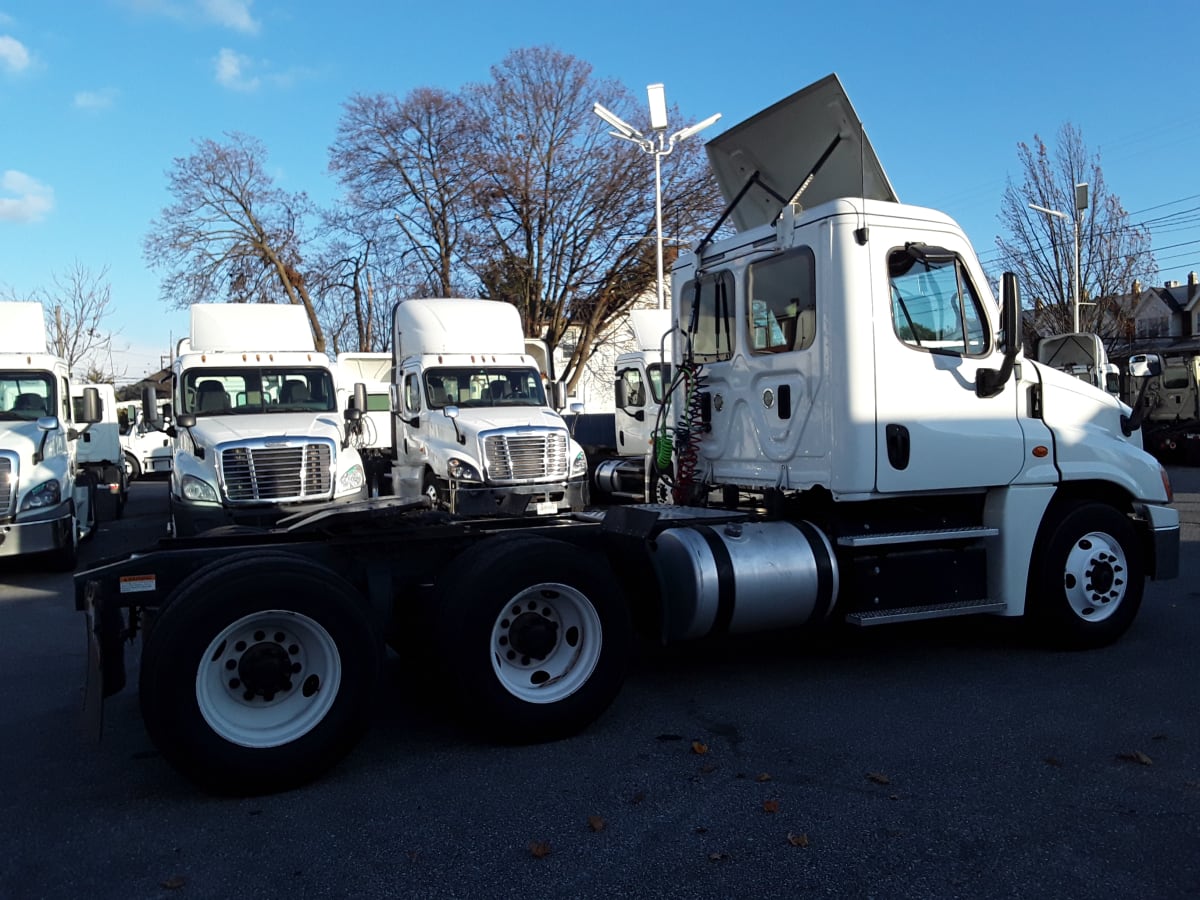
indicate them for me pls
(257, 432)
(375, 438)
(474, 431)
(146, 447)
(1081, 355)
(46, 494)
(842, 366)
(98, 450)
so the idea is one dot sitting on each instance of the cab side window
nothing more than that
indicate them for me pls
(935, 307)
(783, 303)
(412, 393)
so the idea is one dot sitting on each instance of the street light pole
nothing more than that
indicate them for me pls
(1075, 280)
(657, 145)
(1081, 202)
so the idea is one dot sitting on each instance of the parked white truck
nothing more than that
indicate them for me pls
(639, 429)
(257, 432)
(98, 450)
(375, 441)
(146, 447)
(844, 365)
(1081, 355)
(46, 496)
(473, 429)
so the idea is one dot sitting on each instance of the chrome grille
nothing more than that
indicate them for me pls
(517, 458)
(302, 472)
(8, 484)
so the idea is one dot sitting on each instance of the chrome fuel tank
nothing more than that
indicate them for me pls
(742, 577)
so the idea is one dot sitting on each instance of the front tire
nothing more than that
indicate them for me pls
(259, 674)
(1087, 576)
(133, 469)
(535, 637)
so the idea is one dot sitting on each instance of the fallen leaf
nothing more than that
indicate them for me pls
(893, 796)
(708, 768)
(1191, 784)
(1053, 761)
(596, 823)
(174, 883)
(638, 797)
(539, 849)
(763, 777)
(698, 748)
(798, 840)
(878, 778)
(1158, 737)
(717, 856)
(700, 829)
(1136, 756)
(770, 806)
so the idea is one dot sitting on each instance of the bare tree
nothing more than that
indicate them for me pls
(76, 305)
(230, 233)
(407, 164)
(512, 189)
(1113, 252)
(568, 213)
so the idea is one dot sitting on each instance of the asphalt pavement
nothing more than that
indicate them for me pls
(941, 759)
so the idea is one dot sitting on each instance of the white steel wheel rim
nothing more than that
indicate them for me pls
(546, 643)
(1096, 576)
(268, 679)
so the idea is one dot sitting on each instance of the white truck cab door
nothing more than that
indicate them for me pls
(412, 426)
(935, 329)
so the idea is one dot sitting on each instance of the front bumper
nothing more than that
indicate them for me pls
(1163, 526)
(193, 518)
(51, 531)
(517, 500)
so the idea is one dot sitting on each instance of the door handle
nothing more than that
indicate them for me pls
(898, 446)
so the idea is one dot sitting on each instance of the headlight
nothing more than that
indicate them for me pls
(353, 478)
(198, 490)
(44, 495)
(579, 464)
(462, 471)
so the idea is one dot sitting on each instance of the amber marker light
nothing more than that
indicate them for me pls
(1041, 451)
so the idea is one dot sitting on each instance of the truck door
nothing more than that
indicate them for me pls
(411, 419)
(933, 333)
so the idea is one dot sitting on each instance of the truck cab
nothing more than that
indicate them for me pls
(46, 497)
(257, 431)
(474, 428)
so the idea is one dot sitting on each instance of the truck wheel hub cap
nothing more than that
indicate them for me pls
(1095, 576)
(266, 669)
(533, 635)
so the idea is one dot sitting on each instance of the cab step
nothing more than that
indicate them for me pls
(931, 611)
(932, 535)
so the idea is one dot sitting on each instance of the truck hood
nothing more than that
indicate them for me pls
(223, 429)
(23, 438)
(488, 418)
(785, 142)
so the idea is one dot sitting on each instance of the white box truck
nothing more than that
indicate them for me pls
(257, 431)
(45, 495)
(473, 429)
(845, 365)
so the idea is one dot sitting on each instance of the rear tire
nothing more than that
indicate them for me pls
(259, 674)
(534, 635)
(1087, 576)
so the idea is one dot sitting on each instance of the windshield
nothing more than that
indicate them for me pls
(217, 392)
(26, 395)
(473, 387)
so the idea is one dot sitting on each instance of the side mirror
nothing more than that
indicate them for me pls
(622, 393)
(558, 394)
(360, 396)
(91, 406)
(185, 420)
(47, 423)
(150, 407)
(1145, 365)
(990, 382)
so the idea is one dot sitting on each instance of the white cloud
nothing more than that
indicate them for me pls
(232, 71)
(13, 55)
(95, 100)
(233, 14)
(32, 200)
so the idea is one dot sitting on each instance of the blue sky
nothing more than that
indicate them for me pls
(97, 97)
